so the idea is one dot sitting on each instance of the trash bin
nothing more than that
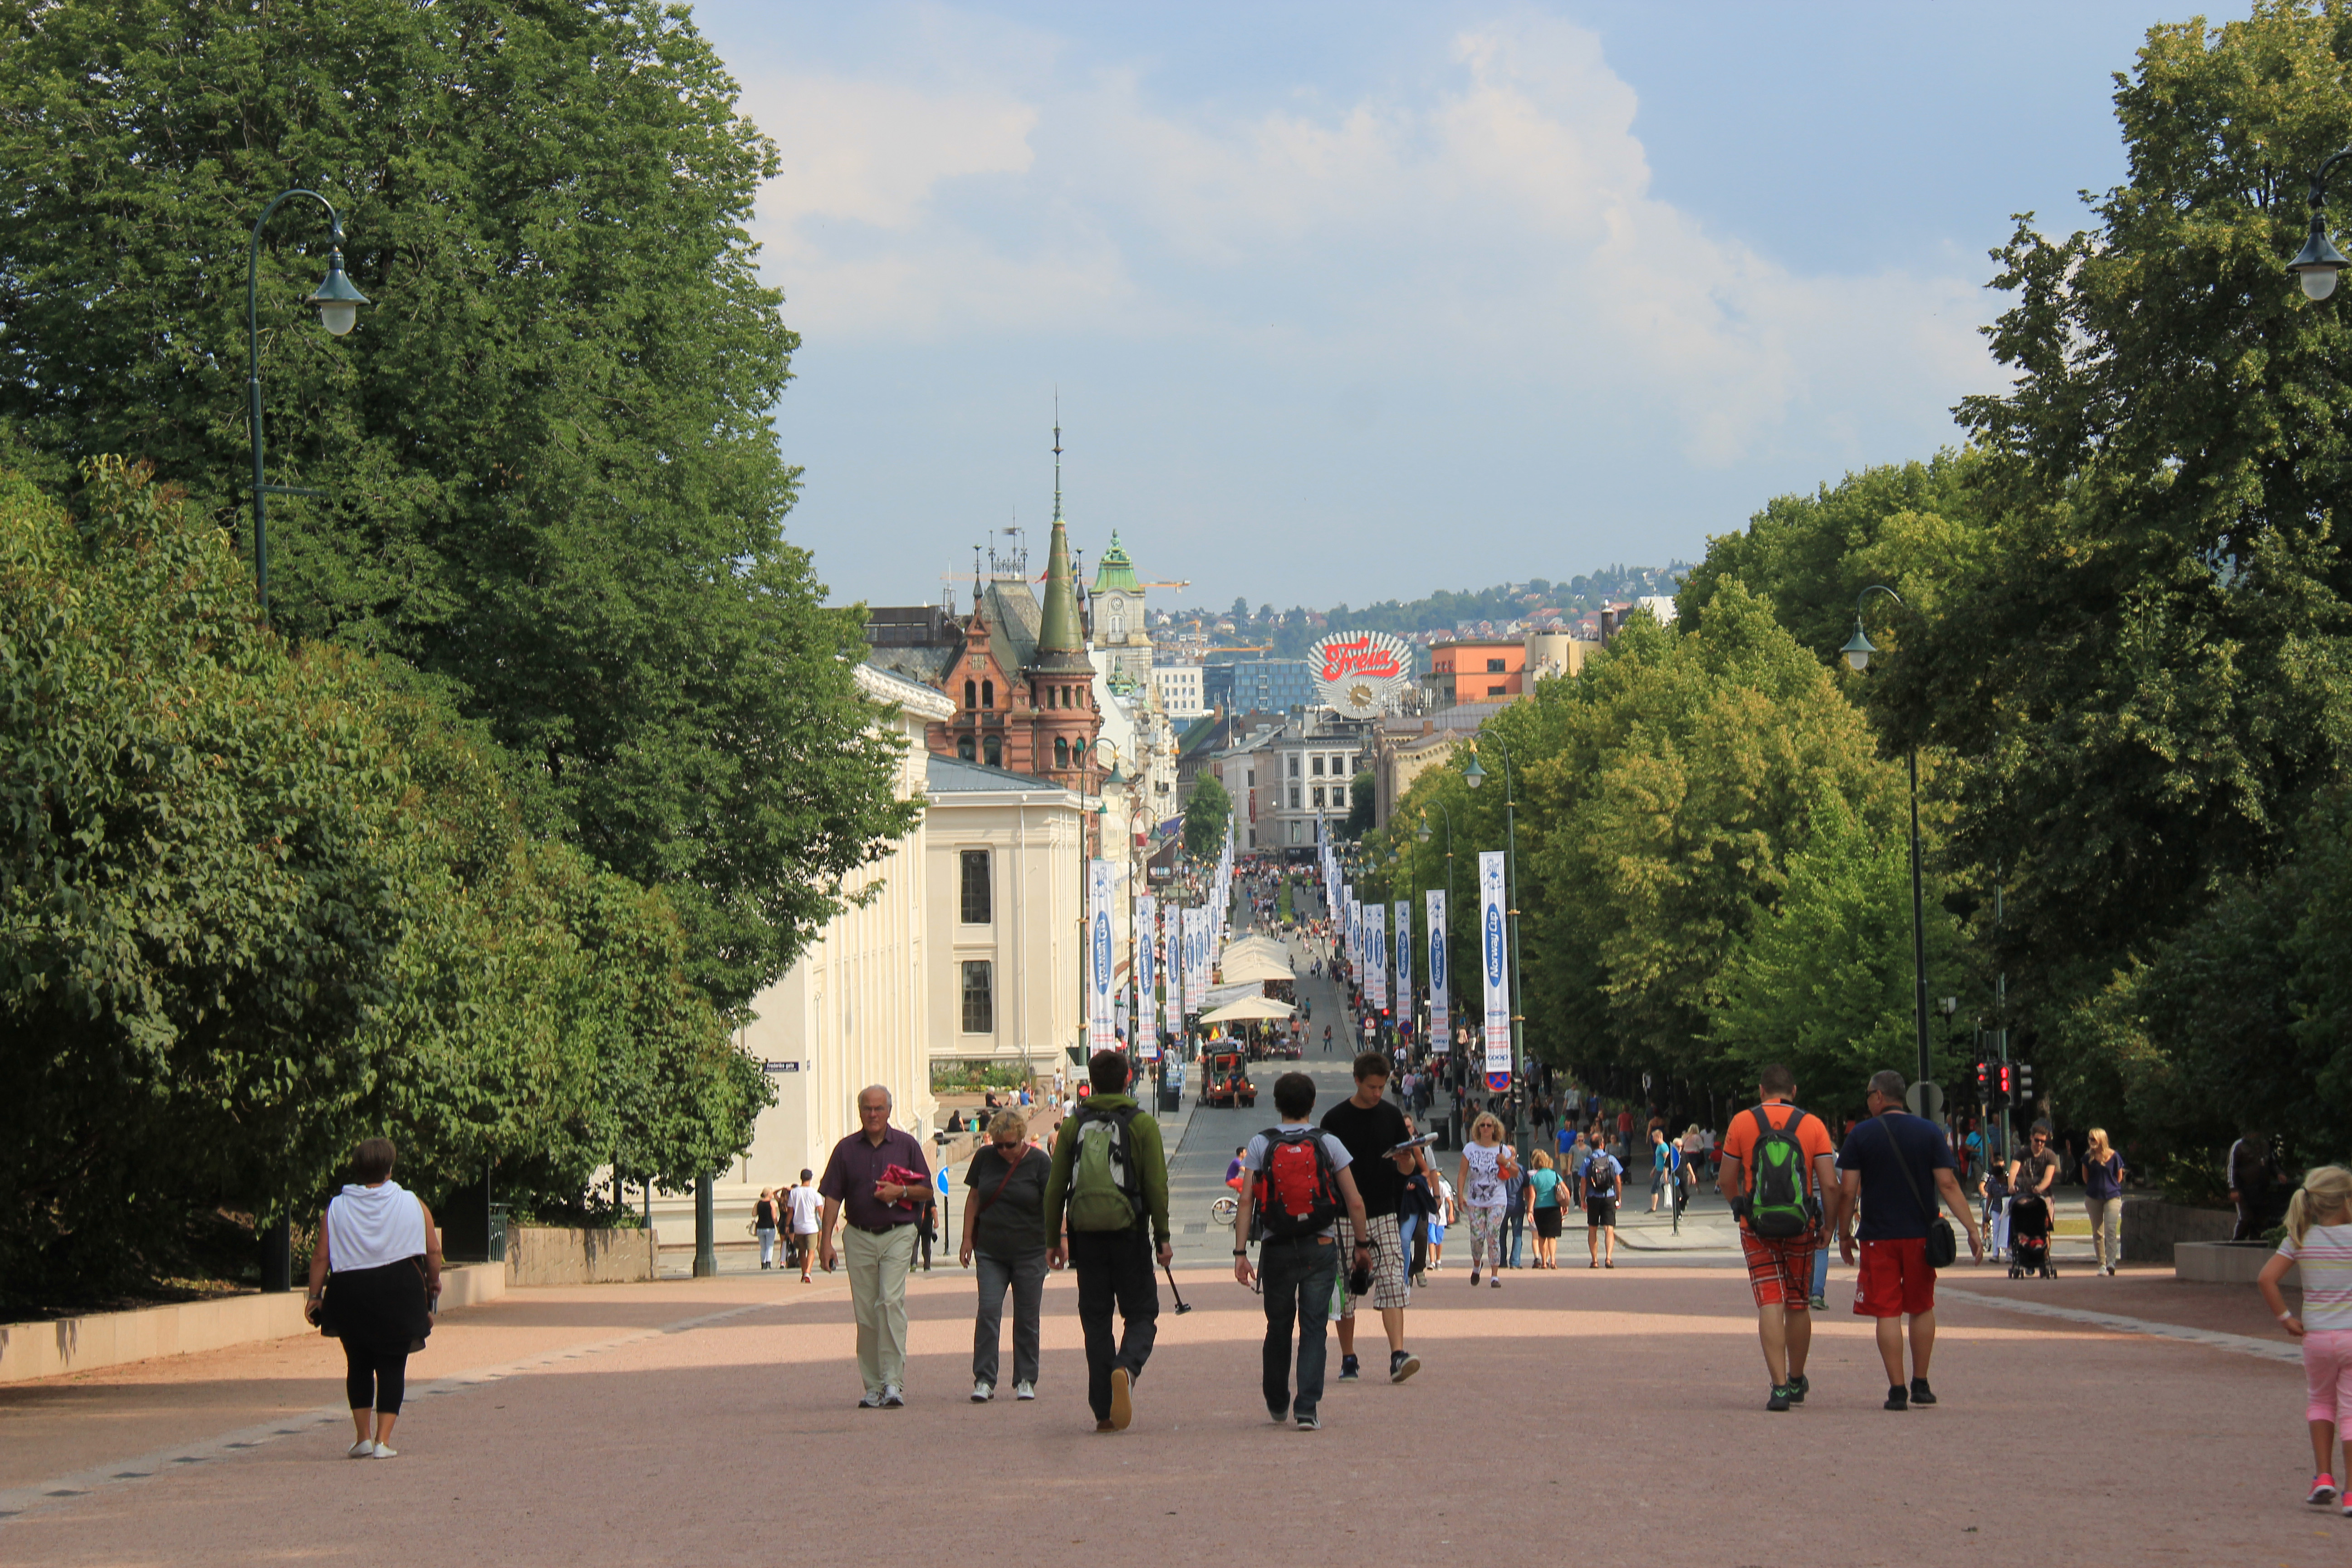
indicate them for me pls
(498, 1248)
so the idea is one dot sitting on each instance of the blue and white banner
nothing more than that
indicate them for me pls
(1495, 962)
(1146, 972)
(1101, 1015)
(1441, 1023)
(1376, 955)
(1405, 962)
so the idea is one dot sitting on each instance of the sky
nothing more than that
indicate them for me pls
(1350, 301)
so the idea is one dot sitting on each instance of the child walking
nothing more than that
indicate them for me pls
(2319, 1240)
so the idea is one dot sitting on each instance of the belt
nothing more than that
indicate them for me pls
(880, 1229)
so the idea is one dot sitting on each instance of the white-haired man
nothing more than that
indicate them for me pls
(876, 1177)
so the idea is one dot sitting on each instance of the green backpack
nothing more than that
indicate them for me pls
(1106, 1189)
(1778, 1206)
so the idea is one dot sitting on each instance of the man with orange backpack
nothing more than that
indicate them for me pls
(1295, 1185)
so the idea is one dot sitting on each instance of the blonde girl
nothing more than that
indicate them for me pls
(2319, 1241)
(1485, 1186)
(2103, 1195)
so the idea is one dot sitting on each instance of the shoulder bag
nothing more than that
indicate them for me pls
(1943, 1246)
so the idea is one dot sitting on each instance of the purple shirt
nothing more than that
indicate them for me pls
(856, 1165)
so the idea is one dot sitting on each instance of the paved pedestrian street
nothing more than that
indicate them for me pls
(1579, 1417)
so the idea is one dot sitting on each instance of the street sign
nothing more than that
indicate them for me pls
(940, 1180)
(1926, 1098)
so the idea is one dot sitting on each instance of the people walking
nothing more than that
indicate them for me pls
(2319, 1241)
(1004, 1244)
(878, 1180)
(1483, 1184)
(2103, 1195)
(2035, 1171)
(1108, 1188)
(1890, 1165)
(1604, 1181)
(802, 1206)
(1371, 1128)
(1515, 1210)
(375, 1280)
(1779, 1171)
(1543, 1208)
(1662, 1166)
(763, 1226)
(1298, 1186)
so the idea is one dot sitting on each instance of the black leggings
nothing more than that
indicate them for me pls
(377, 1377)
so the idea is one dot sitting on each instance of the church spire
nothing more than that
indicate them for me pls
(1059, 632)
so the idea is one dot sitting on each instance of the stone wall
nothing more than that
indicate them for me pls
(552, 1255)
(2152, 1227)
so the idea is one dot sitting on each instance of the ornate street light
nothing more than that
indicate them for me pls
(339, 311)
(1857, 651)
(1474, 775)
(2318, 263)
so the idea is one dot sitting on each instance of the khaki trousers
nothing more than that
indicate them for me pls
(877, 1295)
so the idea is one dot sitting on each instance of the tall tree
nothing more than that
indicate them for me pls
(551, 485)
(1207, 811)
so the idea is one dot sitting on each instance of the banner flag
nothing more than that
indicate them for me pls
(1441, 1023)
(1405, 1011)
(1376, 946)
(1495, 963)
(1101, 1017)
(1147, 971)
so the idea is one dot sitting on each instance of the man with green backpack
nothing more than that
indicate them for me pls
(1109, 1178)
(1780, 1174)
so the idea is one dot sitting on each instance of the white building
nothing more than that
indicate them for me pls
(1178, 686)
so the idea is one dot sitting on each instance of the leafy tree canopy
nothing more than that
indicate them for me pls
(1207, 811)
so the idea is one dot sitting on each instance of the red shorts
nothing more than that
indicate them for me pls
(1780, 1268)
(1895, 1279)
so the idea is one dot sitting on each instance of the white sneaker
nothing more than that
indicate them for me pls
(383, 1453)
(891, 1398)
(362, 1449)
(1025, 1391)
(981, 1393)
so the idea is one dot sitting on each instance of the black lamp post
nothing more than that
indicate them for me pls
(2316, 264)
(339, 311)
(1857, 651)
(1473, 775)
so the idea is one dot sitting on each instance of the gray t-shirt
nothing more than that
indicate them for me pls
(2030, 1167)
(1253, 1157)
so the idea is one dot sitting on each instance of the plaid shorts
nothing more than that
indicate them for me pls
(1781, 1270)
(1389, 1261)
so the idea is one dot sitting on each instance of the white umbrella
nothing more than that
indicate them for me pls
(1249, 1008)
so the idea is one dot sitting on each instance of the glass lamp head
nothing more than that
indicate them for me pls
(339, 303)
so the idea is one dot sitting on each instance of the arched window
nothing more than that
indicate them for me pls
(970, 689)
(1061, 751)
(963, 747)
(992, 750)
(988, 694)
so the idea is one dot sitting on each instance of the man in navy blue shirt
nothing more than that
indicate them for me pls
(1896, 1165)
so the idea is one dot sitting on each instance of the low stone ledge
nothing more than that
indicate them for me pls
(553, 1254)
(2227, 1263)
(2153, 1228)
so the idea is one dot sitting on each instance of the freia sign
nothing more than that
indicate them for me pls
(1355, 672)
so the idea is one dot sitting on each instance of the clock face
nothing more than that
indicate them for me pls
(1360, 698)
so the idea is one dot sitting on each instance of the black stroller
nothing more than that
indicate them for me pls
(2029, 1236)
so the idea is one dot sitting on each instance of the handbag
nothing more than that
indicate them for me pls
(1943, 1246)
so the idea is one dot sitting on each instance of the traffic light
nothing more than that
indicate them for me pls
(2005, 1083)
(1984, 1080)
(2024, 1080)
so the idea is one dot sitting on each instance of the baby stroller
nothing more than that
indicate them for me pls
(2029, 1236)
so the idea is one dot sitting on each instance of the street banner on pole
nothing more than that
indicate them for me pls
(1376, 957)
(1495, 963)
(1100, 1019)
(1171, 1023)
(1441, 1024)
(1404, 1008)
(1147, 971)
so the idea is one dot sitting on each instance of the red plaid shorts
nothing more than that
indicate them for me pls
(1780, 1268)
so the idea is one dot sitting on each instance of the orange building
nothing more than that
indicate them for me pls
(1478, 670)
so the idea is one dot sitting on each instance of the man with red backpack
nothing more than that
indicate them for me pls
(1295, 1185)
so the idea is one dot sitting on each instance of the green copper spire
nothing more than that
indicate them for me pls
(1114, 573)
(1058, 631)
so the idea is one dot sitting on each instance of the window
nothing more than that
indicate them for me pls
(1118, 618)
(1294, 764)
(1297, 829)
(988, 694)
(1318, 767)
(1494, 667)
(1252, 781)
(992, 750)
(1294, 797)
(1498, 692)
(979, 998)
(975, 888)
(1061, 751)
(964, 747)
(970, 689)
(1318, 797)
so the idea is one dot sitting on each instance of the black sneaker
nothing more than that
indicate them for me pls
(1920, 1393)
(1402, 1364)
(1349, 1370)
(1800, 1386)
(1779, 1400)
(1898, 1397)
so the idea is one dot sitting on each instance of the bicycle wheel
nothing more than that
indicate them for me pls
(1224, 1211)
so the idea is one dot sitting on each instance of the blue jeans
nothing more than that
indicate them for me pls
(1822, 1269)
(1515, 1224)
(1299, 1277)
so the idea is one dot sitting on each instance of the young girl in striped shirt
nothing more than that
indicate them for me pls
(2319, 1241)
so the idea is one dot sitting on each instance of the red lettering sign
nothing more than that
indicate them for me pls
(1358, 655)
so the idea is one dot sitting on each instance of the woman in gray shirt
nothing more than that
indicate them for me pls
(1004, 1229)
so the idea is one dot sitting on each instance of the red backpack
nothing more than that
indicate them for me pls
(1300, 1193)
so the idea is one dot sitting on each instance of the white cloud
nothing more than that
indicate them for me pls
(1499, 228)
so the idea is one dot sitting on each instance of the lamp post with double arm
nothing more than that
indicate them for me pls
(1857, 651)
(1474, 775)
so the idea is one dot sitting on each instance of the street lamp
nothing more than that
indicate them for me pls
(2318, 263)
(1857, 651)
(1445, 936)
(1474, 775)
(339, 311)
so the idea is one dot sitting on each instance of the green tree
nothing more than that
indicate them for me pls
(1207, 813)
(1360, 807)
(553, 490)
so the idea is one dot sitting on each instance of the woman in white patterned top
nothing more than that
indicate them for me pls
(2319, 1241)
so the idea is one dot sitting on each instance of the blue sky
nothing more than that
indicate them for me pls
(1348, 301)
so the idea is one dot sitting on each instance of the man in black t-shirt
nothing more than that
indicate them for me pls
(1370, 1127)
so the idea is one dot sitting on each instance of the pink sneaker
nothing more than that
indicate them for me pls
(2323, 1491)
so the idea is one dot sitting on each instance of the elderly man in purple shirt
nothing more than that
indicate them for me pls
(881, 1241)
